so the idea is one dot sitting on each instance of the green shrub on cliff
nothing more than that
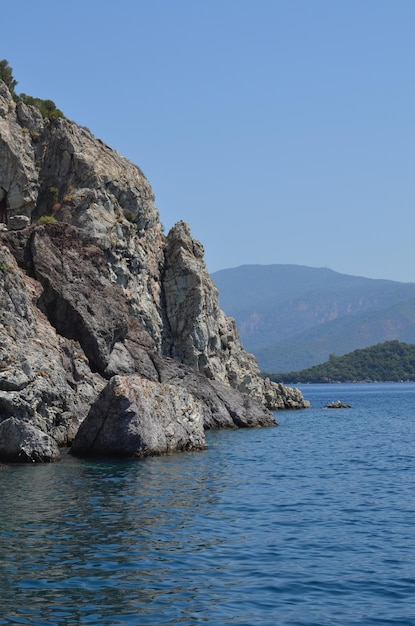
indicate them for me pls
(46, 107)
(46, 219)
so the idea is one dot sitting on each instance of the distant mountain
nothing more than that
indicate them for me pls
(389, 361)
(292, 317)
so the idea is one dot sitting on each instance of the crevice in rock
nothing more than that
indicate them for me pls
(69, 323)
(167, 333)
(3, 205)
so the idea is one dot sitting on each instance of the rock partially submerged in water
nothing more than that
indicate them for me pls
(135, 417)
(23, 443)
(337, 404)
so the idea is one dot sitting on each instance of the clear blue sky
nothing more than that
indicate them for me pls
(283, 131)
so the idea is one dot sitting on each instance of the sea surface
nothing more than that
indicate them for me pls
(308, 524)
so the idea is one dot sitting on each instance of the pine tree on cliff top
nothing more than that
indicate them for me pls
(6, 75)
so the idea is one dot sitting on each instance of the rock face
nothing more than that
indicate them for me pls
(19, 177)
(102, 291)
(137, 417)
(44, 377)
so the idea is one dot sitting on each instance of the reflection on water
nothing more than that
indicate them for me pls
(103, 532)
(309, 524)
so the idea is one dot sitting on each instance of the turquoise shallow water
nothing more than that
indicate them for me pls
(308, 524)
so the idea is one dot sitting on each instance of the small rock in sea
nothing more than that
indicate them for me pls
(337, 405)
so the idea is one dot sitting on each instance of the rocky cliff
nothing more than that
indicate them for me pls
(91, 288)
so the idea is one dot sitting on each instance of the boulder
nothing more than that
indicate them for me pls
(23, 443)
(135, 417)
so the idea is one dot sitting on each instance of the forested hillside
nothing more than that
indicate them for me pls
(389, 361)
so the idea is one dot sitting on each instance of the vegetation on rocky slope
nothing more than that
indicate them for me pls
(389, 361)
(47, 107)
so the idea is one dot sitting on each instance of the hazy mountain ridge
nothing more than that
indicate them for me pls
(292, 317)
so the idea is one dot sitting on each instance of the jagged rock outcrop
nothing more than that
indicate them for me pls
(200, 334)
(73, 288)
(102, 291)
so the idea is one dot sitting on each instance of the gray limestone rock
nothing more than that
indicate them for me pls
(135, 417)
(23, 443)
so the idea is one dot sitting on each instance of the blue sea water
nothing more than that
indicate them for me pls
(308, 524)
